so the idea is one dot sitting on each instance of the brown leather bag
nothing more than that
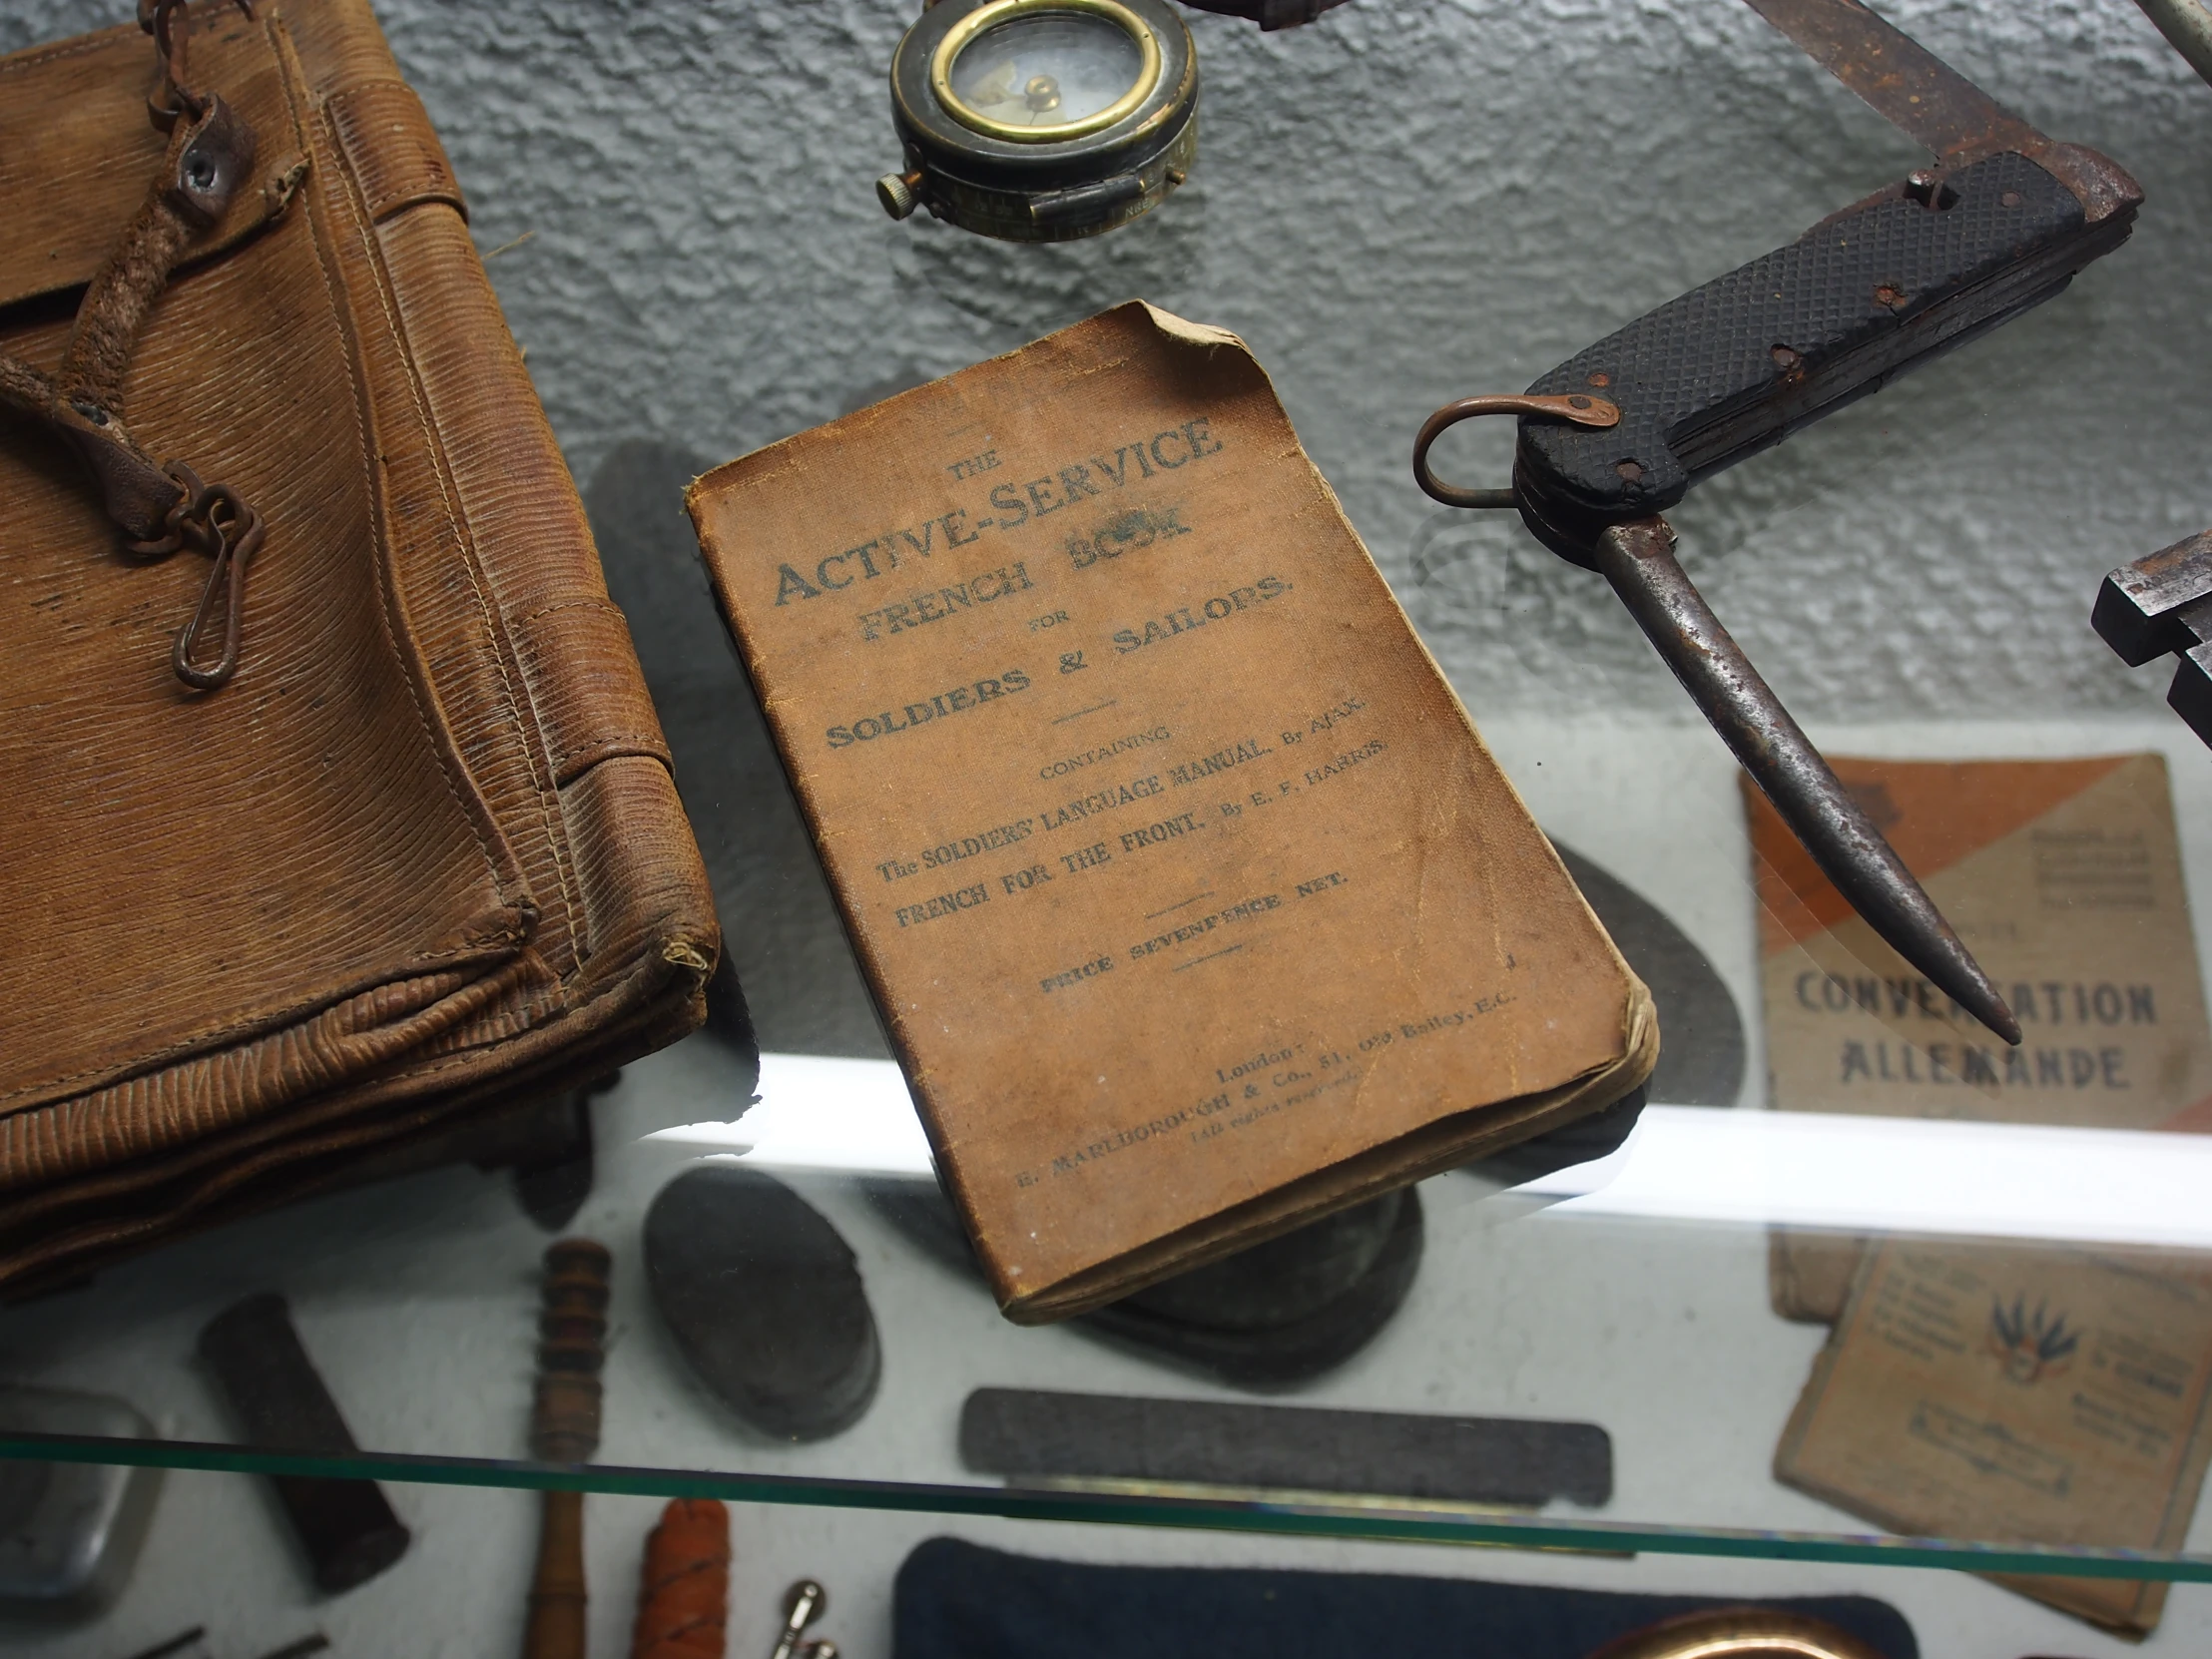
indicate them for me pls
(336, 812)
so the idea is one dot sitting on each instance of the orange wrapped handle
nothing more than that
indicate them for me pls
(684, 1599)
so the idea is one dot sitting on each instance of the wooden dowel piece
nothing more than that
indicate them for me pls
(564, 1428)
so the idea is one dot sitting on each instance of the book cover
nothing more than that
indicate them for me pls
(1193, 903)
(2018, 1393)
(2063, 877)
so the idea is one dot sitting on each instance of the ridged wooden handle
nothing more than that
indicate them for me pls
(572, 1332)
(564, 1428)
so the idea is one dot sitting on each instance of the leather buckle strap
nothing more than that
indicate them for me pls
(211, 152)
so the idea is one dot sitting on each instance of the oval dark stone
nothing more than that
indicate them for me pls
(764, 1299)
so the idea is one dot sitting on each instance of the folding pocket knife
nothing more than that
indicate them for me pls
(1618, 434)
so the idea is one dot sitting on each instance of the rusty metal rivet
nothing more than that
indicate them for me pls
(1601, 378)
(1887, 297)
(1630, 470)
(2011, 198)
(1579, 403)
(1931, 190)
(1785, 358)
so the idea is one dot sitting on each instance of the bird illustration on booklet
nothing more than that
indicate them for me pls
(2024, 1394)
(1193, 903)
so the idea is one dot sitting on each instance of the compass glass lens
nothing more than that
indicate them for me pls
(1046, 69)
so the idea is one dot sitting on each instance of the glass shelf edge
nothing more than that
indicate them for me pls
(1366, 1521)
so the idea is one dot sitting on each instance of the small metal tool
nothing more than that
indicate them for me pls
(2000, 223)
(2187, 26)
(804, 1602)
(2163, 602)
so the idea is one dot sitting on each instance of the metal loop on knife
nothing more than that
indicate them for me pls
(1579, 408)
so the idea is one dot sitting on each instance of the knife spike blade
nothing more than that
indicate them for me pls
(1933, 104)
(1638, 560)
(1901, 80)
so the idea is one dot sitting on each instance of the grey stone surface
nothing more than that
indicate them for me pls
(1410, 200)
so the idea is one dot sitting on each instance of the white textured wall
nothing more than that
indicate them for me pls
(1411, 200)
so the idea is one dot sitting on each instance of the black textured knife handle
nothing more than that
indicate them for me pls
(345, 1528)
(1736, 365)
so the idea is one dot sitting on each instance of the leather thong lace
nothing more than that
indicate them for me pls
(159, 508)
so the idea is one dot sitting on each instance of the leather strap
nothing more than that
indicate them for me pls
(161, 508)
(592, 710)
(207, 159)
(135, 491)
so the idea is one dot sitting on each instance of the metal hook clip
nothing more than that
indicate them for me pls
(237, 536)
(211, 519)
(167, 22)
(1581, 410)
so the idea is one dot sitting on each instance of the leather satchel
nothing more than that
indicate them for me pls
(338, 817)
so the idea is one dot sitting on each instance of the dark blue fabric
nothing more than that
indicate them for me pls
(958, 1600)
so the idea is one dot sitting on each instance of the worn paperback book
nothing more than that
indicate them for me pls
(2010, 1393)
(1192, 901)
(2063, 877)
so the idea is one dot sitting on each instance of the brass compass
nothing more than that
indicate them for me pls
(1042, 120)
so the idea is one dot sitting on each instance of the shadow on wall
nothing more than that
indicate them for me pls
(780, 931)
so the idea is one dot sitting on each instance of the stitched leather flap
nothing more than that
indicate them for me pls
(276, 931)
(591, 699)
(393, 148)
(78, 150)
(255, 896)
